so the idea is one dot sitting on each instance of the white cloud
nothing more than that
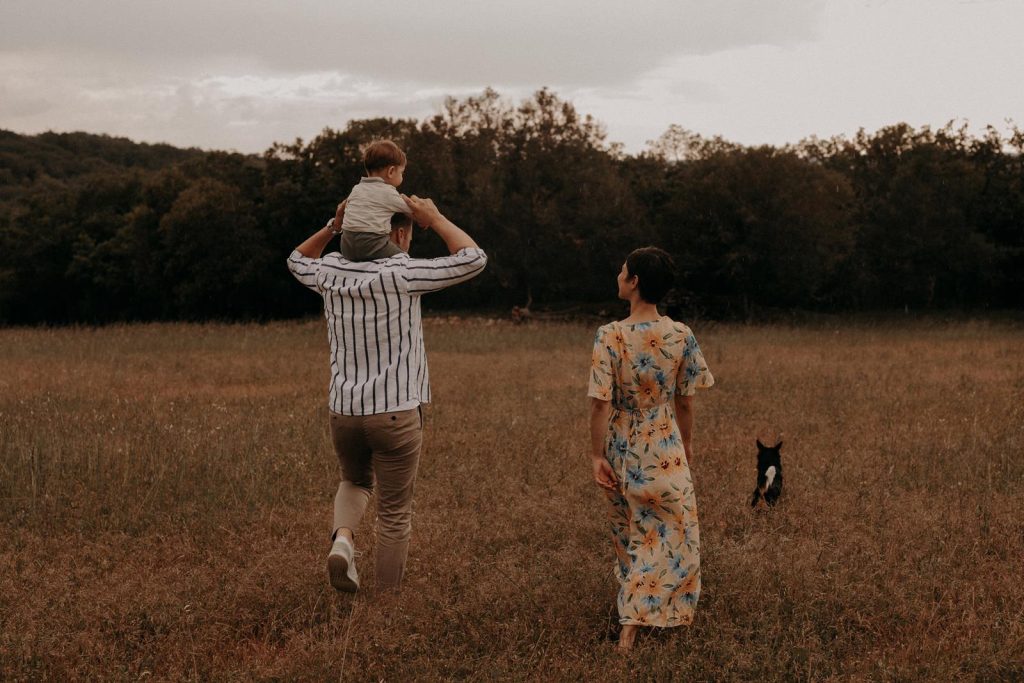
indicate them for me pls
(873, 64)
(525, 42)
(242, 111)
(243, 74)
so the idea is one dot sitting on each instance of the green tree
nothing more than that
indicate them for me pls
(757, 227)
(215, 264)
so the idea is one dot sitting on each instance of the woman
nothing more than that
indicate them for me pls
(645, 371)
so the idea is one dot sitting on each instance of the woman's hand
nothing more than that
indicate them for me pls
(603, 474)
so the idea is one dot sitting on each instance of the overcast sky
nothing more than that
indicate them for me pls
(242, 74)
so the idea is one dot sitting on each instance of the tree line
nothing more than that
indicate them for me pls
(97, 229)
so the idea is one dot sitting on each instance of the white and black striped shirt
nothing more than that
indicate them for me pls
(378, 362)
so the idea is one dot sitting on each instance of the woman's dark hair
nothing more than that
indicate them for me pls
(655, 272)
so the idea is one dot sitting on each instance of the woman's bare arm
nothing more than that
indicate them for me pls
(600, 413)
(684, 418)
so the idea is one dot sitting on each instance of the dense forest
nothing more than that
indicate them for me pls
(96, 229)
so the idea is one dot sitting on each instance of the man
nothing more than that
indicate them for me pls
(379, 378)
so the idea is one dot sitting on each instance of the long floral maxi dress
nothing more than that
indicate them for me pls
(653, 514)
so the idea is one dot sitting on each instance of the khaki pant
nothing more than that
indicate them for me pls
(384, 451)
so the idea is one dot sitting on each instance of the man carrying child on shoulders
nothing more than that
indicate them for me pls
(379, 377)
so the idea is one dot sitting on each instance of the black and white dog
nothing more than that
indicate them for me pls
(769, 476)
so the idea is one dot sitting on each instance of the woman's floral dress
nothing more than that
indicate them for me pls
(640, 368)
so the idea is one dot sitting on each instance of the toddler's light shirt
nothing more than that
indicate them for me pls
(370, 206)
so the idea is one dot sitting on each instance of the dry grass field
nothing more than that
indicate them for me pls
(165, 497)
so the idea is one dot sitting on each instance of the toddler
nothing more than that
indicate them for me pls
(366, 227)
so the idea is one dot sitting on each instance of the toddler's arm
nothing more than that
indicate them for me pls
(395, 203)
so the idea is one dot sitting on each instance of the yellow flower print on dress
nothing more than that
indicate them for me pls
(655, 342)
(650, 585)
(647, 437)
(648, 389)
(619, 340)
(650, 499)
(650, 540)
(687, 585)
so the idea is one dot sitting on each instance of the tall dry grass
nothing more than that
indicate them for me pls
(165, 493)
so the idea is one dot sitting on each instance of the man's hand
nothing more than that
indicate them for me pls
(603, 474)
(426, 214)
(423, 211)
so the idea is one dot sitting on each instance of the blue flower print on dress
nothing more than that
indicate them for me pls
(645, 514)
(644, 362)
(635, 476)
(650, 601)
(619, 446)
(669, 440)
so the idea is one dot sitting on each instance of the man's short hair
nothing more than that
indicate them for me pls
(380, 154)
(400, 220)
(655, 272)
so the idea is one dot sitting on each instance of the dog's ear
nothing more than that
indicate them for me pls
(778, 445)
(760, 446)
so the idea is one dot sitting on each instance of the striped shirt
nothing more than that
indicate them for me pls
(378, 362)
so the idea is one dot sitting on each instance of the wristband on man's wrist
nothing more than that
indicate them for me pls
(330, 226)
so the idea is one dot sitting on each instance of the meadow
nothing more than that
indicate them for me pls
(165, 498)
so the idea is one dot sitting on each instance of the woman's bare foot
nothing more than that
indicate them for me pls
(627, 636)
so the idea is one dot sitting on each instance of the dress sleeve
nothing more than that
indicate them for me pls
(602, 374)
(693, 371)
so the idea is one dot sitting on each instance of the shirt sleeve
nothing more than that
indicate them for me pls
(393, 201)
(431, 275)
(305, 270)
(693, 372)
(602, 376)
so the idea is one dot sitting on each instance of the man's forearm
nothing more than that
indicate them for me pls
(317, 242)
(455, 238)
